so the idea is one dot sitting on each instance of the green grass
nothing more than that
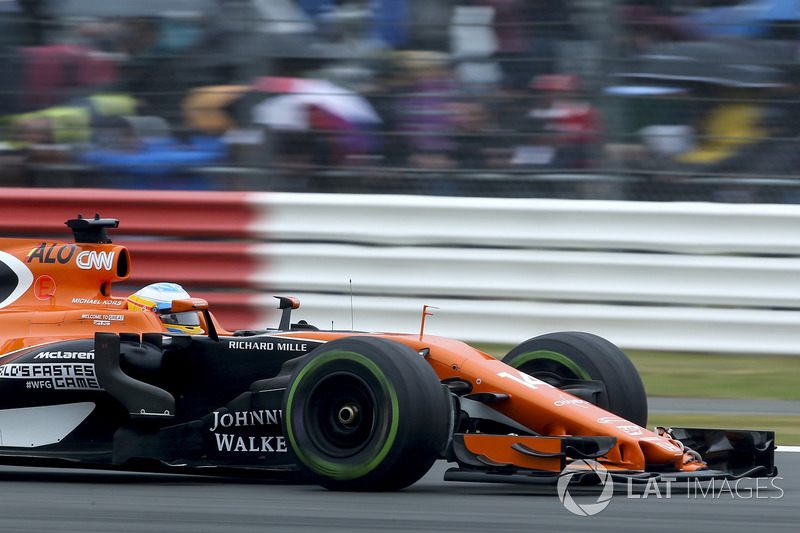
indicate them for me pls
(723, 376)
(786, 428)
(719, 376)
(711, 376)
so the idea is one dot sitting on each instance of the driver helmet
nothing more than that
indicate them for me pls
(157, 298)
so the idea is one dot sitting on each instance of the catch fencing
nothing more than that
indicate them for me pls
(695, 277)
(647, 101)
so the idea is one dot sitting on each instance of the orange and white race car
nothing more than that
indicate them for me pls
(88, 379)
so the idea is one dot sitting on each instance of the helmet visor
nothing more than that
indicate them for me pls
(189, 318)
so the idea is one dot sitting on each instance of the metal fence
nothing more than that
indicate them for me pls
(588, 99)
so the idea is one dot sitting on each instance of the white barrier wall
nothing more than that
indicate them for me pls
(653, 276)
(529, 223)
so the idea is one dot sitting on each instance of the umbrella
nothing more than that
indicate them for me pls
(299, 100)
(210, 109)
(749, 19)
(730, 63)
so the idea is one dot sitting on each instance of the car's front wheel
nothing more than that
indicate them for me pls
(578, 362)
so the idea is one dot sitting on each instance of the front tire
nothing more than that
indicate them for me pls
(565, 359)
(365, 413)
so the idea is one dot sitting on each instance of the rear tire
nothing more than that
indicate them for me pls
(365, 413)
(569, 357)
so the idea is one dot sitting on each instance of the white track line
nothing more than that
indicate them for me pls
(794, 449)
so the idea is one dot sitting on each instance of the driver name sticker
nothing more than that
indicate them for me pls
(95, 301)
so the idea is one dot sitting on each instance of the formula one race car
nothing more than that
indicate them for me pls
(87, 381)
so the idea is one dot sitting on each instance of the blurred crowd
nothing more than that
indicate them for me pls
(638, 100)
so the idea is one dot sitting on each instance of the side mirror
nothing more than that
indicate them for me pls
(189, 304)
(286, 303)
(196, 304)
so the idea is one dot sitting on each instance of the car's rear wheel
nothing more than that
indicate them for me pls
(587, 366)
(365, 413)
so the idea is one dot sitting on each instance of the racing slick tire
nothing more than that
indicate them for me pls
(366, 413)
(564, 359)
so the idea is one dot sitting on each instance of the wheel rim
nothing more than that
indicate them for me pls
(357, 457)
(340, 411)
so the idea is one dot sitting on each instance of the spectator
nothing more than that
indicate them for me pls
(167, 57)
(528, 32)
(727, 127)
(142, 152)
(514, 33)
(642, 26)
(478, 137)
(775, 154)
(566, 129)
(424, 110)
(69, 125)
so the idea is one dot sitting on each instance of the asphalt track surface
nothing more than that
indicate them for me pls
(51, 500)
(48, 500)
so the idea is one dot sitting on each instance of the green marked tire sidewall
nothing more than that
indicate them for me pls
(526, 357)
(319, 464)
(595, 359)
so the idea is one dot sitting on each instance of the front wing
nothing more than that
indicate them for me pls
(729, 454)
